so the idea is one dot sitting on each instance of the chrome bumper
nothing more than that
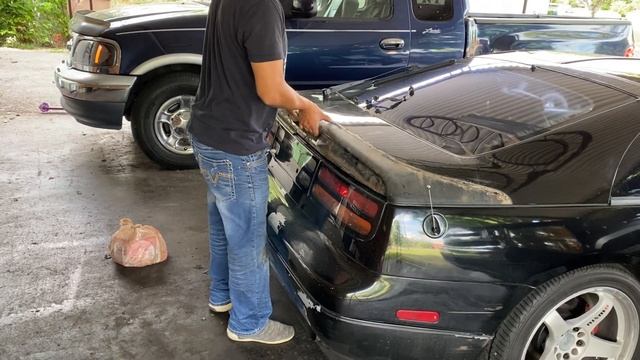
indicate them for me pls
(81, 85)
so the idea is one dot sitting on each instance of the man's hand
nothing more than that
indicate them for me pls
(309, 118)
(275, 92)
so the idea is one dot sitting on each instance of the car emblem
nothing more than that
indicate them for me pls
(431, 30)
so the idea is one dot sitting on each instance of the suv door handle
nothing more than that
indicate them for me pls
(392, 44)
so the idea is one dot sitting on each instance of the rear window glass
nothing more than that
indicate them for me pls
(433, 10)
(475, 107)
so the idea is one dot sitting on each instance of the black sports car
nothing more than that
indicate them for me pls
(487, 208)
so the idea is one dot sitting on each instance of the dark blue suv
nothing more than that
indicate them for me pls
(143, 62)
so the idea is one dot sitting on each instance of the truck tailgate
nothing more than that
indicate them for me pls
(529, 32)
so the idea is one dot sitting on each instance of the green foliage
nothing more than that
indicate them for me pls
(16, 17)
(33, 22)
(623, 7)
(595, 5)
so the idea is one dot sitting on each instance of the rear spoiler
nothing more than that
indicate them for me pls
(83, 23)
(400, 183)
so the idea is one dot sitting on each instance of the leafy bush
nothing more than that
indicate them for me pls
(624, 7)
(33, 22)
(16, 19)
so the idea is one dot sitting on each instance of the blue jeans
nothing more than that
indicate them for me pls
(238, 190)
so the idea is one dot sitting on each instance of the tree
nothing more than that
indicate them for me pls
(33, 22)
(623, 7)
(595, 5)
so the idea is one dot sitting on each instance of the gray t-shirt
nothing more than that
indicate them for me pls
(227, 114)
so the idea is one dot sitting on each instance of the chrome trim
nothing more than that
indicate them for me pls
(159, 30)
(164, 60)
(351, 30)
(115, 69)
(392, 44)
(625, 201)
(88, 86)
(288, 30)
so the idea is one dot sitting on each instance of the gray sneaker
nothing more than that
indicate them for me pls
(220, 308)
(274, 333)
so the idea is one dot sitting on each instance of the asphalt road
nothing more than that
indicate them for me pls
(63, 189)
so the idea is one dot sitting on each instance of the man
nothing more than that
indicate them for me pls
(241, 85)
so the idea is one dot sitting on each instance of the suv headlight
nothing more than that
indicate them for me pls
(95, 55)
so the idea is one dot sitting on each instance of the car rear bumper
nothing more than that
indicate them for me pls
(96, 100)
(347, 338)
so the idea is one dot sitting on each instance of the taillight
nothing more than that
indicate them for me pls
(629, 52)
(350, 206)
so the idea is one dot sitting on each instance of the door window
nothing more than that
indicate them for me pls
(433, 10)
(354, 9)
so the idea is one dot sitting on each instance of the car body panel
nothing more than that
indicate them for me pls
(374, 340)
(490, 256)
(435, 41)
(329, 51)
(529, 172)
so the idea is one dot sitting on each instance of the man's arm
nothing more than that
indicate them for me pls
(274, 91)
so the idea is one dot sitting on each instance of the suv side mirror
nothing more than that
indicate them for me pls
(299, 8)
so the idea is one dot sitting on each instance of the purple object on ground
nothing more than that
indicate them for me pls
(45, 107)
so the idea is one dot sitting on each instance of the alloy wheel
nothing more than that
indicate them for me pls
(171, 122)
(594, 324)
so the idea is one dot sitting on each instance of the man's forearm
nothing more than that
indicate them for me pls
(284, 97)
(273, 90)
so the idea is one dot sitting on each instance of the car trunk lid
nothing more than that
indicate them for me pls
(383, 159)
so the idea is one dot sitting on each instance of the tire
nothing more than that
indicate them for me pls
(163, 137)
(528, 331)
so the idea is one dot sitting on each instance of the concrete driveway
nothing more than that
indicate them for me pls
(64, 187)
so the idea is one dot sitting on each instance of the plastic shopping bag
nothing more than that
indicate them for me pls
(136, 245)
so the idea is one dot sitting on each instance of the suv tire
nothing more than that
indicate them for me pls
(166, 142)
